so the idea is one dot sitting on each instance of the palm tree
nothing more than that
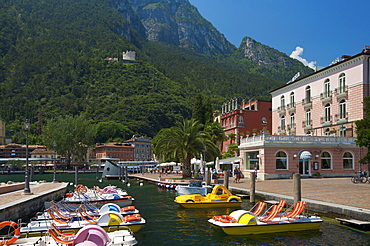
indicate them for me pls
(183, 142)
(217, 134)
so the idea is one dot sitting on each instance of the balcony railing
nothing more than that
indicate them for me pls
(306, 124)
(290, 107)
(307, 102)
(273, 139)
(326, 96)
(281, 110)
(326, 120)
(341, 92)
(341, 118)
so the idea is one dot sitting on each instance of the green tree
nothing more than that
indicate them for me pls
(111, 131)
(363, 131)
(216, 133)
(183, 142)
(202, 110)
(71, 134)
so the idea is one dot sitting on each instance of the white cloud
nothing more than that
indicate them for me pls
(296, 54)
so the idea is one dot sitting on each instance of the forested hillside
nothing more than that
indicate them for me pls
(52, 63)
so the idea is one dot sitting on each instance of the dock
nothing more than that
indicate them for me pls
(360, 223)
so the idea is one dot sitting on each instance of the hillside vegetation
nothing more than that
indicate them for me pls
(52, 63)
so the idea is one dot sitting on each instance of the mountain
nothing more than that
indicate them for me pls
(52, 63)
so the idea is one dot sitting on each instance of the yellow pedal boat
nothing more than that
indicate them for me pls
(219, 197)
(242, 222)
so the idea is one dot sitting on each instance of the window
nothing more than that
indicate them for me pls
(281, 161)
(292, 99)
(308, 94)
(342, 109)
(342, 131)
(241, 120)
(308, 117)
(282, 123)
(282, 102)
(327, 88)
(327, 113)
(348, 161)
(325, 161)
(342, 83)
(264, 120)
(292, 121)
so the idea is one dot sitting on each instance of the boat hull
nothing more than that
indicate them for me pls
(237, 229)
(210, 204)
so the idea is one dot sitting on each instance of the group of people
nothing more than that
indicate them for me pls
(237, 175)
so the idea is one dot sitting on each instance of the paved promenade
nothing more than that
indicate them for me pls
(337, 195)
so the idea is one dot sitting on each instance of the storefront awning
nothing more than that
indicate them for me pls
(305, 155)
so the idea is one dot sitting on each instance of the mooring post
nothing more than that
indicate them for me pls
(297, 187)
(126, 175)
(76, 175)
(252, 195)
(226, 179)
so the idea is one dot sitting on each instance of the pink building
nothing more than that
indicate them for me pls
(313, 124)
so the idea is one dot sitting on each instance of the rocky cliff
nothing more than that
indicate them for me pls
(175, 22)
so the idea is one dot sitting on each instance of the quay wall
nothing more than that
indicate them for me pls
(29, 205)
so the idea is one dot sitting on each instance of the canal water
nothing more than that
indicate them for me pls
(169, 224)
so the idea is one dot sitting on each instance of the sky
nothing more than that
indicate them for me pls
(315, 32)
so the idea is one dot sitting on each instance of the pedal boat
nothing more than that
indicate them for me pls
(109, 221)
(91, 235)
(219, 197)
(61, 212)
(242, 222)
(97, 197)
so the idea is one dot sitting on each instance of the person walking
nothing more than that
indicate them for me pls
(239, 175)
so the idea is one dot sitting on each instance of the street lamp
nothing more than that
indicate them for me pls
(55, 162)
(27, 182)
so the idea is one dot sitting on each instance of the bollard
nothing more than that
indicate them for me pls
(226, 179)
(207, 175)
(297, 187)
(76, 175)
(252, 195)
(126, 175)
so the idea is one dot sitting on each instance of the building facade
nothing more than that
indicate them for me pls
(142, 148)
(313, 124)
(121, 151)
(244, 120)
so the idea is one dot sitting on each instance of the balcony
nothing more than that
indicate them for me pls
(281, 130)
(273, 140)
(341, 92)
(307, 124)
(306, 102)
(341, 118)
(281, 110)
(326, 96)
(290, 107)
(326, 121)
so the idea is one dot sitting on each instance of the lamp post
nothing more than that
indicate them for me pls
(27, 182)
(55, 162)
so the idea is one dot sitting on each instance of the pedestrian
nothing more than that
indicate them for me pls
(235, 175)
(239, 175)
